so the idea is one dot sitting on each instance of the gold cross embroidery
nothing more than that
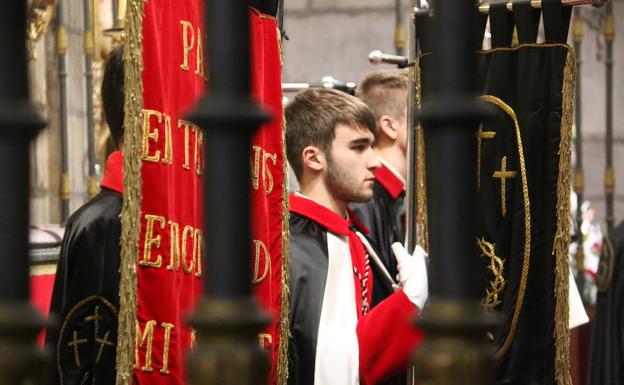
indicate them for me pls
(481, 135)
(75, 343)
(103, 342)
(503, 175)
(96, 317)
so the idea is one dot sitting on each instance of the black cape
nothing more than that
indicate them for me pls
(607, 351)
(85, 300)
(308, 242)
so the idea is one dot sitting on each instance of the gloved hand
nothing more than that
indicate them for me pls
(412, 274)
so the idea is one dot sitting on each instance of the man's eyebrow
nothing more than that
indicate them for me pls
(360, 141)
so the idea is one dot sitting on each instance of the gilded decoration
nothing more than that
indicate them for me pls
(527, 227)
(497, 268)
(38, 19)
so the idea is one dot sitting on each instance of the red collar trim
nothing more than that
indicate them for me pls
(389, 181)
(324, 216)
(113, 175)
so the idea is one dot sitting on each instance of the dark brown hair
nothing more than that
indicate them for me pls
(112, 92)
(312, 117)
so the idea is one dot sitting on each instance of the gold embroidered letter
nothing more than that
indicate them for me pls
(199, 159)
(147, 335)
(150, 240)
(187, 45)
(188, 230)
(266, 172)
(186, 125)
(165, 361)
(168, 145)
(198, 250)
(147, 135)
(199, 55)
(260, 248)
(262, 337)
(255, 168)
(193, 338)
(174, 239)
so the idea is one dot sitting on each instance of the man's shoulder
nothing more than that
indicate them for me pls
(302, 225)
(307, 237)
(104, 209)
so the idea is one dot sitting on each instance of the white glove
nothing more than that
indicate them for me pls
(412, 274)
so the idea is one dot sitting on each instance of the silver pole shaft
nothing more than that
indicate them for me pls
(410, 189)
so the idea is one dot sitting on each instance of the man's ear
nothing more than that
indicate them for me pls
(313, 158)
(387, 127)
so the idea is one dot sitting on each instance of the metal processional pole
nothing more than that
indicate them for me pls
(609, 178)
(227, 318)
(455, 351)
(410, 192)
(89, 55)
(61, 50)
(21, 360)
(399, 32)
(579, 185)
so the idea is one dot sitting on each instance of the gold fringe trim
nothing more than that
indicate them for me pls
(562, 237)
(131, 210)
(421, 186)
(520, 46)
(526, 257)
(284, 326)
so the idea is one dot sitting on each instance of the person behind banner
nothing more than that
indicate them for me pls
(337, 337)
(385, 94)
(85, 299)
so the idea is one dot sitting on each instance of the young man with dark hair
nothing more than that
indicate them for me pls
(85, 299)
(337, 337)
(385, 94)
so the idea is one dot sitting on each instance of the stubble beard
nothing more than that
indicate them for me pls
(343, 186)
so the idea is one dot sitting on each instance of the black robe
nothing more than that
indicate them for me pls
(85, 301)
(308, 240)
(607, 350)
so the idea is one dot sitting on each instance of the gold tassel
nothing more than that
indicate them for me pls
(131, 210)
(562, 237)
(284, 327)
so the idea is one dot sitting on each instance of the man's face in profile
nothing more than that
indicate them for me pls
(351, 164)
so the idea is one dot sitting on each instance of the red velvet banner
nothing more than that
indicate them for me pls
(171, 244)
(267, 193)
(171, 247)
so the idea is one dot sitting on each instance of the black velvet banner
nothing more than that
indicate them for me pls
(523, 159)
(519, 186)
